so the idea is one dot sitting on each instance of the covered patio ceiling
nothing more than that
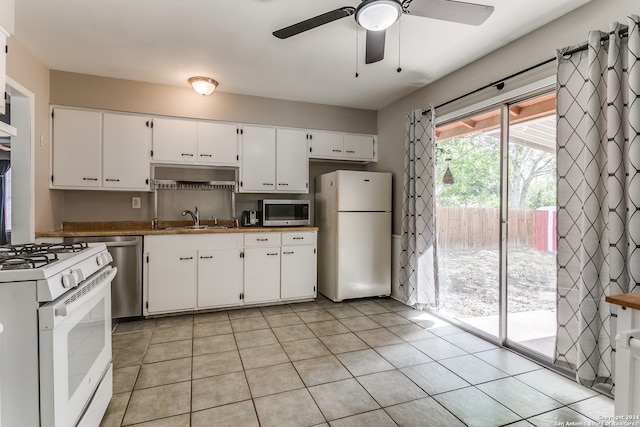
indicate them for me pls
(533, 123)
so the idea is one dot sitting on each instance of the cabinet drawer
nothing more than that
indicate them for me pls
(299, 238)
(261, 239)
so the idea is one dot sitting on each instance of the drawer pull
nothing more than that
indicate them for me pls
(288, 252)
(112, 180)
(337, 151)
(268, 183)
(186, 155)
(89, 179)
(185, 258)
(206, 257)
(206, 155)
(262, 240)
(351, 151)
(282, 183)
(272, 253)
(298, 238)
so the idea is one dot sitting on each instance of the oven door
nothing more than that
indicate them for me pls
(75, 349)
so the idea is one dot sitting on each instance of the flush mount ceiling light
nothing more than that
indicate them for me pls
(378, 15)
(203, 85)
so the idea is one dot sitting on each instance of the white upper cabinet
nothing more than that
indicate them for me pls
(292, 163)
(342, 146)
(326, 144)
(102, 151)
(217, 143)
(126, 141)
(77, 149)
(181, 141)
(3, 68)
(258, 166)
(174, 140)
(7, 19)
(359, 147)
(274, 161)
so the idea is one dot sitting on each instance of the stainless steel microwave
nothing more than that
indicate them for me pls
(278, 213)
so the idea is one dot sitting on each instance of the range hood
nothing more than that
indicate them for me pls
(7, 130)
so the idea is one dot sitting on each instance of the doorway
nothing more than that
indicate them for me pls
(495, 221)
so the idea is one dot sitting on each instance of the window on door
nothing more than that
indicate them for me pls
(495, 220)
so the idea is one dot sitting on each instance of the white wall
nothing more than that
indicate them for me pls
(570, 29)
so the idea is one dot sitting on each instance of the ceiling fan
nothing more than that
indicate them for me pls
(376, 16)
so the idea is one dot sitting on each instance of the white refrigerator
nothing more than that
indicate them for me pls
(353, 214)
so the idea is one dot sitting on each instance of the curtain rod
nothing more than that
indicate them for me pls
(499, 84)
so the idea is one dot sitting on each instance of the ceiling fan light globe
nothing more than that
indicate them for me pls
(378, 15)
(203, 85)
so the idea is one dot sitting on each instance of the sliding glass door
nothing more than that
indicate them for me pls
(531, 248)
(468, 219)
(495, 221)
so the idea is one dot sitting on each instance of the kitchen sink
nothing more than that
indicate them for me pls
(197, 227)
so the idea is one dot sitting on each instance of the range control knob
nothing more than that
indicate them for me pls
(72, 279)
(104, 259)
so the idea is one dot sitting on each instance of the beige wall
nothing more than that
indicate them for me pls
(529, 50)
(71, 89)
(83, 90)
(26, 70)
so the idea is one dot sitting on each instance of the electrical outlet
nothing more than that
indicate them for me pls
(135, 202)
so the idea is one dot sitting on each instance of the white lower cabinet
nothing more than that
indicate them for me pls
(189, 272)
(201, 271)
(261, 275)
(298, 269)
(219, 277)
(173, 278)
(298, 266)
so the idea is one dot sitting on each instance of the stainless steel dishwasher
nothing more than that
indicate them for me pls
(126, 288)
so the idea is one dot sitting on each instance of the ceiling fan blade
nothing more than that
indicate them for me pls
(450, 10)
(375, 46)
(314, 22)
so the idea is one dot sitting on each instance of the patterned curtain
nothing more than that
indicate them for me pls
(418, 273)
(598, 196)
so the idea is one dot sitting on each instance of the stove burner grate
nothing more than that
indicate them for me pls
(35, 255)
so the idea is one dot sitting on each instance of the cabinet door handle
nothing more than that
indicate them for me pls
(89, 179)
(262, 240)
(288, 252)
(206, 155)
(112, 180)
(282, 183)
(206, 257)
(298, 238)
(185, 258)
(337, 151)
(351, 151)
(272, 253)
(268, 183)
(186, 155)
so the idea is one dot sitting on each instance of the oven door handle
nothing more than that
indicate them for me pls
(68, 306)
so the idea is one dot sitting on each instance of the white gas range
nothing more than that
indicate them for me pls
(55, 352)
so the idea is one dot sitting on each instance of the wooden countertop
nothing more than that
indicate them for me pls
(631, 300)
(142, 228)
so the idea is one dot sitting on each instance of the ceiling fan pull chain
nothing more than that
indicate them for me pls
(399, 30)
(357, 44)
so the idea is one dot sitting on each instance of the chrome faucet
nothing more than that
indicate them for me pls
(195, 215)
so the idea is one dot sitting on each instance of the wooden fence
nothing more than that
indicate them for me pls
(475, 228)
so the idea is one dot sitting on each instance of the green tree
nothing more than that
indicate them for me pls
(474, 162)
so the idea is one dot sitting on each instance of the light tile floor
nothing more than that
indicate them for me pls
(373, 362)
